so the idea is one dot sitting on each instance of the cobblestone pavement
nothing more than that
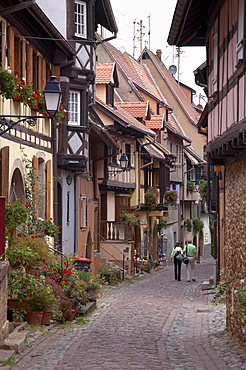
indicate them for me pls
(156, 323)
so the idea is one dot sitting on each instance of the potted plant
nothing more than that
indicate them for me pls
(161, 225)
(129, 217)
(198, 224)
(188, 225)
(20, 255)
(40, 306)
(171, 197)
(190, 186)
(203, 188)
(152, 198)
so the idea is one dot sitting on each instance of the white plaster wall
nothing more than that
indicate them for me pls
(55, 10)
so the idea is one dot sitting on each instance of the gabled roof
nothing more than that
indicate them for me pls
(146, 83)
(156, 122)
(125, 119)
(155, 149)
(180, 96)
(137, 109)
(106, 74)
(128, 67)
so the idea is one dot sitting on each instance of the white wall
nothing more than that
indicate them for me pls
(55, 10)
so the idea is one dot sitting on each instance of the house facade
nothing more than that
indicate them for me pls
(77, 21)
(220, 26)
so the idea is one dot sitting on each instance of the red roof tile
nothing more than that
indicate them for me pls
(136, 109)
(155, 122)
(104, 73)
(127, 118)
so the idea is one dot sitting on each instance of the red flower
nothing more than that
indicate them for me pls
(229, 300)
(16, 73)
(11, 230)
(19, 235)
(32, 236)
(59, 225)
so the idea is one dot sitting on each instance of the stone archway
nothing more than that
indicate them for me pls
(17, 187)
(88, 253)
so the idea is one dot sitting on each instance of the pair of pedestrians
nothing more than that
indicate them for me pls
(191, 253)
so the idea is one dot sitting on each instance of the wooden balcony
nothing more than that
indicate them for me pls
(117, 230)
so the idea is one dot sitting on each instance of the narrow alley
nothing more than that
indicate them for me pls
(156, 323)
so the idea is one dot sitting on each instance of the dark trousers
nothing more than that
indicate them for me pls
(177, 269)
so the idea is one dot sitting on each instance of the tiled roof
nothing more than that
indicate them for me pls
(129, 120)
(187, 106)
(147, 83)
(104, 73)
(136, 109)
(155, 122)
(136, 74)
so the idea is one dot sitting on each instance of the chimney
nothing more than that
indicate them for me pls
(158, 53)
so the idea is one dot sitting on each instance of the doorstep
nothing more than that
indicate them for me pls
(14, 343)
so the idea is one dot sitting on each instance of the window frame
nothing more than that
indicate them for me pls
(74, 112)
(83, 211)
(83, 25)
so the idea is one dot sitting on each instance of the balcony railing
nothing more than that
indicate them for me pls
(159, 207)
(116, 230)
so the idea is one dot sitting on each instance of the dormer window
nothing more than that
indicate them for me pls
(80, 18)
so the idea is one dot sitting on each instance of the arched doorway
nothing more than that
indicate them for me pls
(17, 187)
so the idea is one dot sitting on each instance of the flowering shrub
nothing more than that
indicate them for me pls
(12, 87)
(128, 217)
(241, 295)
(152, 198)
(171, 197)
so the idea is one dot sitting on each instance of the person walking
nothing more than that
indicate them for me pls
(191, 253)
(177, 262)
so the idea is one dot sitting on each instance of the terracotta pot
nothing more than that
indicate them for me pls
(34, 317)
(46, 318)
(16, 303)
(72, 315)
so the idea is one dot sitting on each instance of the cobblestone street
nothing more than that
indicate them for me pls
(155, 323)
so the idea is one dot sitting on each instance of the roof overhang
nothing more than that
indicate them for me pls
(189, 24)
(105, 16)
(32, 23)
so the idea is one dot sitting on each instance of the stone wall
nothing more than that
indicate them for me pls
(235, 245)
(4, 324)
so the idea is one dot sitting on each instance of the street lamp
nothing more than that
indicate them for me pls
(124, 162)
(52, 95)
(123, 166)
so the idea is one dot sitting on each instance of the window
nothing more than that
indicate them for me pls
(68, 207)
(73, 108)
(215, 52)
(110, 95)
(240, 32)
(83, 211)
(80, 18)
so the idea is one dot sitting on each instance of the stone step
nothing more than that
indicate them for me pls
(16, 341)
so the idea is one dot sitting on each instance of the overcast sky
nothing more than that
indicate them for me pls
(156, 16)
